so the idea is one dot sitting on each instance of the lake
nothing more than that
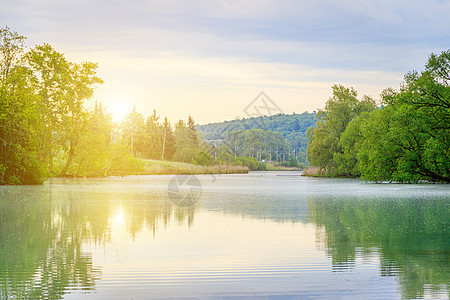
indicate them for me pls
(262, 234)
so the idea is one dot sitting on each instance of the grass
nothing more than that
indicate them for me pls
(312, 172)
(276, 167)
(159, 167)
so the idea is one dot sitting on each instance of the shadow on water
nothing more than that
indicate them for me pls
(411, 237)
(43, 229)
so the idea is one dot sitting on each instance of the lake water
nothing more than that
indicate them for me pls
(263, 234)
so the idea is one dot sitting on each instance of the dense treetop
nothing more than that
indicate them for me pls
(406, 139)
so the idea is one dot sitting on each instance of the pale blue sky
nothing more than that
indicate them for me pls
(211, 58)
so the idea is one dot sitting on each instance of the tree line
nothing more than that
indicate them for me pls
(153, 138)
(47, 128)
(292, 127)
(405, 139)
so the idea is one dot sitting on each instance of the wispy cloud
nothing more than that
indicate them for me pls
(198, 52)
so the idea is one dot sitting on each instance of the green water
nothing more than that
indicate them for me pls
(253, 235)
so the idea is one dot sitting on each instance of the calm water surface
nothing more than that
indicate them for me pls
(263, 235)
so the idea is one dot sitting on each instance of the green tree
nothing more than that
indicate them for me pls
(408, 140)
(193, 134)
(133, 131)
(64, 87)
(350, 142)
(332, 121)
(202, 158)
(93, 151)
(23, 152)
(181, 141)
(169, 140)
(187, 141)
(154, 135)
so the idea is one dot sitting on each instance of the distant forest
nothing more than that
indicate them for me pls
(243, 135)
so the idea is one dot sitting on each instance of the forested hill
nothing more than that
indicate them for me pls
(293, 127)
(282, 123)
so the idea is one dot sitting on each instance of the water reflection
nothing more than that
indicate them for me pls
(40, 246)
(411, 237)
(46, 233)
(43, 229)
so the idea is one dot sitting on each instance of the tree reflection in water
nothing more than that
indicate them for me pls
(410, 235)
(43, 229)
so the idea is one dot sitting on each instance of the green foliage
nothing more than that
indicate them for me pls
(415, 140)
(133, 130)
(378, 153)
(257, 143)
(350, 144)
(292, 127)
(202, 159)
(406, 140)
(45, 126)
(324, 140)
(293, 163)
(22, 152)
(169, 143)
(63, 87)
(251, 163)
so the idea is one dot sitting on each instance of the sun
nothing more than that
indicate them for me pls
(119, 109)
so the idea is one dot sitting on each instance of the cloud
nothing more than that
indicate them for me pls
(227, 51)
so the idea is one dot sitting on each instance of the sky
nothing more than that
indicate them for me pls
(211, 58)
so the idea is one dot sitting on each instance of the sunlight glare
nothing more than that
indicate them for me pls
(119, 218)
(119, 109)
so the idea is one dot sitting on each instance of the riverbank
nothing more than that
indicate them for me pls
(274, 167)
(159, 167)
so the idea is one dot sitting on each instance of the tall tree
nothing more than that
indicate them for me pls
(133, 129)
(154, 135)
(64, 87)
(332, 121)
(416, 126)
(193, 134)
(23, 153)
(169, 145)
(181, 141)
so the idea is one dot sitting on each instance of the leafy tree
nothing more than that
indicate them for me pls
(23, 152)
(332, 121)
(350, 142)
(202, 158)
(64, 87)
(293, 163)
(93, 151)
(416, 129)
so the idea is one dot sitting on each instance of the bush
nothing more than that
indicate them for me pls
(201, 158)
(251, 163)
(293, 163)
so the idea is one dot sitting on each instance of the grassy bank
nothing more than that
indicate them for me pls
(312, 171)
(159, 167)
(275, 167)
